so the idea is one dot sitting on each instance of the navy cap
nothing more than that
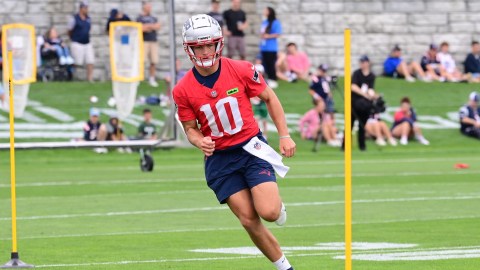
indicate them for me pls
(433, 46)
(474, 97)
(323, 67)
(113, 13)
(83, 4)
(364, 58)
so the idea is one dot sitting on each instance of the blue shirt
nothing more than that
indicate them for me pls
(151, 35)
(81, 30)
(390, 65)
(271, 44)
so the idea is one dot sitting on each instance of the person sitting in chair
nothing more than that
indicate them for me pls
(54, 43)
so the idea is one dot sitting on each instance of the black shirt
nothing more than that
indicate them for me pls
(472, 63)
(232, 17)
(362, 81)
(217, 16)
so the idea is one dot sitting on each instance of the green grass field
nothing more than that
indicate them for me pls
(81, 210)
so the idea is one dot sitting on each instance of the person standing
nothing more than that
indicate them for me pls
(79, 32)
(213, 101)
(271, 29)
(235, 20)
(150, 42)
(215, 12)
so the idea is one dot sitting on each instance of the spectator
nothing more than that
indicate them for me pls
(472, 63)
(147, 130)
(378, 130)
(115, 133)
(54, 43)
(322, 99)
(431, 65)
(363, 94)
(150, 28)
(470, 117)
(309, 124)
(452, 73)
(215, 12)
(270, 30)
(292, 65)
(405, 124)
(79, 32)
(395, 66)
(115, 16)
(94, 130)
(235, 20)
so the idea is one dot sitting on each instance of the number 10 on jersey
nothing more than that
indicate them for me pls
(224, 115)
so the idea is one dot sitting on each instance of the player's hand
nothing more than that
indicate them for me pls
(207, 146)
(287, 147)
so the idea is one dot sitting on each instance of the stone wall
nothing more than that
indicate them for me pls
(316, 25)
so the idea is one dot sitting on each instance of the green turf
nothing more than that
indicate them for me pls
(78, 207)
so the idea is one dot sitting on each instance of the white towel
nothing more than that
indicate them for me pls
(262, 150)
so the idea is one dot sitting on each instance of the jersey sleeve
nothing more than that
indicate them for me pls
(185, 111)
(254, 81)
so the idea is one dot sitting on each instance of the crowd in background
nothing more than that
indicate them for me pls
(289, 64)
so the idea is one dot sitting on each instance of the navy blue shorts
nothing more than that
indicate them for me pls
(232, 170)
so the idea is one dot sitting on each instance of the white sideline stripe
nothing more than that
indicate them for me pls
(222, 258)
(237, 228)
(218, 208)
(307, 176)
(40, 127)
(54, 113)
(42, 135)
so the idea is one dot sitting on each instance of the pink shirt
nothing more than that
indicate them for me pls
(309, 123)
(298, 62)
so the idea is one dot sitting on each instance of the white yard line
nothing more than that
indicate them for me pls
(238, 228)
(220, 208)
(197, 179)
(158, 261)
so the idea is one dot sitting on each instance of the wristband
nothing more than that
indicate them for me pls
(284, 137)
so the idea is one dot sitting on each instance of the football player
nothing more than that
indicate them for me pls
(213, 101)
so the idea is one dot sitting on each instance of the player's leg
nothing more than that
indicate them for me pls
(242, 205)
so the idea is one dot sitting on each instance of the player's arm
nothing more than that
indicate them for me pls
(195, 137)
(287, 145)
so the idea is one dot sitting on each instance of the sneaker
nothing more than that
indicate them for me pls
(70, 60)
(283, 216)
(120, 150)
(392, 142)
(410, 79)
(423, 141)
(63, 60)
(426, 79)
(380, 142)
(273, 84)
(100, 150)
(152, 82)
(442, 79)
(404, 141)
(333, 143)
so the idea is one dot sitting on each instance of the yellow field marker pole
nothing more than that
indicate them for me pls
(15, 261)
(348, 152)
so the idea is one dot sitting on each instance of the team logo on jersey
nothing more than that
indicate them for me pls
(256, 77)
(214, 94)
(232, 91)
(257, 146)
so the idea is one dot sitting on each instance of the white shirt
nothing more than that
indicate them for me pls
(447, 61)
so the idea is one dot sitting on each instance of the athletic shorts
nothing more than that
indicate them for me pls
(232, 170)
(82, 53)
(151, 51)
(261, 110)
(235, 43)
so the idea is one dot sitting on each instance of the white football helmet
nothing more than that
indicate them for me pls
(202, 29)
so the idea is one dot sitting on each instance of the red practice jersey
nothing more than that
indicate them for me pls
(224, 112)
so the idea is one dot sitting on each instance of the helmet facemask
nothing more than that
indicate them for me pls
(213, 58)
